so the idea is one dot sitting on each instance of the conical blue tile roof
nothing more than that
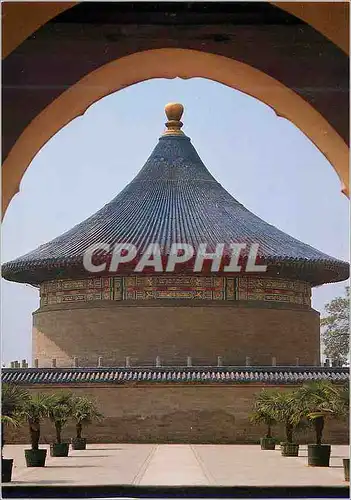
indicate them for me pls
(174, 198)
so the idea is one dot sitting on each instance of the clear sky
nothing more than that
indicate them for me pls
(264, 161)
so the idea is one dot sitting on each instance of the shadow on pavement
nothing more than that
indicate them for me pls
(70, 466)
(104, 449)
(88, 456)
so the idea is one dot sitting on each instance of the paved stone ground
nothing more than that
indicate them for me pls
(143, 464)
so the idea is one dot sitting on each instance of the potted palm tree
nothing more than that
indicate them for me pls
(84, 412)
(321, 400)
(12, 400)
(262, 414)
(59, 412)
(286, 410)
(34, 410)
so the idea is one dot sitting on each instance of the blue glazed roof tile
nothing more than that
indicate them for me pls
(174, 198)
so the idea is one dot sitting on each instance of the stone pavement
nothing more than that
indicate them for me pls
(143, 464)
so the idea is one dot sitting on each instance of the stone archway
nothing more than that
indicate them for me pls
(171, 63)
(52, 77)
(331, 19)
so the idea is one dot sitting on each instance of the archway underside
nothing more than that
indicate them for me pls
(171, 63)
(287, 65)
(329, 18)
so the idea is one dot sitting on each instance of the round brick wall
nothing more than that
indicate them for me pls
(174, 331)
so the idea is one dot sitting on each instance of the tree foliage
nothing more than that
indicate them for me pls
(59, 411)
(320, 400)
(287, 411)
(275, 406)
(84, 412)
(336, 328)
(262, 411)
(35, 409)
(13, 398)
(19, 405)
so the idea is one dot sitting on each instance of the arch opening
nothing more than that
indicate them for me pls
(169, 64)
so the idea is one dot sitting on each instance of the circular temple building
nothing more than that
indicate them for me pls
(135, 317)
(174, 345)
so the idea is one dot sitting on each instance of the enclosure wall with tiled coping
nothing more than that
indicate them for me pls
(173, 413)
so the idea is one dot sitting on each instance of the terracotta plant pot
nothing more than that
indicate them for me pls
(319, 455)
(35, 458)
(346, 464)
(6, 469)
(59, 450)
(289, 449)
(267, 443)
(79, 443)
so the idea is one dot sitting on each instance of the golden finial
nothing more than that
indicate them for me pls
(174, 113)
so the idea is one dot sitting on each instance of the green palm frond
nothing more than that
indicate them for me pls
(323, 399)
(13, 398)
(277, 406)
(60, 407)
(262, 411)
(287, 409)
(15, 422)
(36, 407)
(84, 410)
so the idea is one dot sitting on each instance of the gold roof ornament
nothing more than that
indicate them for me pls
(174, 112)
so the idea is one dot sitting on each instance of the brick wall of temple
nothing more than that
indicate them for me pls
(173, 332)
(173, 414)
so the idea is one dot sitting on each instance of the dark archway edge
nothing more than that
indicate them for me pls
(129, 491)
(91, 34)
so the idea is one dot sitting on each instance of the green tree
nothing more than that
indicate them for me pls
(287, 410)
(60, 410)
(13, 398)
(275, 406)
(321, 400)
(34, 410)
(84, 412)
(262, 411)
(336, 328)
